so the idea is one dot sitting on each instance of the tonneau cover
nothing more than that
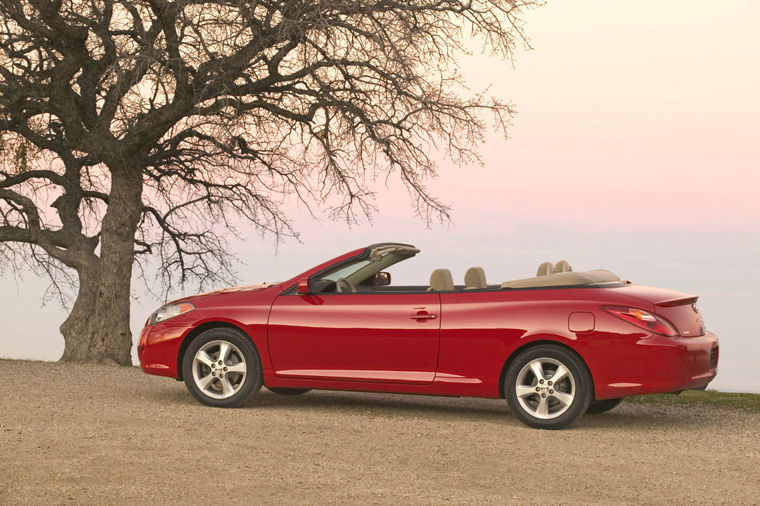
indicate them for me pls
(564, 279)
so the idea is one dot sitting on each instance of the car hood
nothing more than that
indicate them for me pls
(203, 298)
(245, 288)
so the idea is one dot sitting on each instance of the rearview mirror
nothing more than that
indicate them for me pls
(303, 286)
(382, 279)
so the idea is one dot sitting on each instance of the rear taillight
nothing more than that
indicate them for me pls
(643, 319)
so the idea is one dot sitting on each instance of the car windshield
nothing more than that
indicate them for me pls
(362, 271)
(346, 271)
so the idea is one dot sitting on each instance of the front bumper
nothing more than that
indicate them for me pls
(158, 349)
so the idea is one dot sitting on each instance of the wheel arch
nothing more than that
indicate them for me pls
(533, 344)
(198, 331)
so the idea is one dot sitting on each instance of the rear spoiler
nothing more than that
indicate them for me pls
(680, 301)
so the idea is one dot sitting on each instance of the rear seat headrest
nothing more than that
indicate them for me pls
(563, 266)
(545, 269)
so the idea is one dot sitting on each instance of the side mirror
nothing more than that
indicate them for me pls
(303, 286)
(382, 279)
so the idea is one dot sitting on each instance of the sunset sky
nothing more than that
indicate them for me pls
(636, 148)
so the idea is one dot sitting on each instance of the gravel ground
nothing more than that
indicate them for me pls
(105, 434)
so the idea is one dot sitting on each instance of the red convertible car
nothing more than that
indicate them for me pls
(554, 346)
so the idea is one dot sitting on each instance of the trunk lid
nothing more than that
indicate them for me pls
(678, 308)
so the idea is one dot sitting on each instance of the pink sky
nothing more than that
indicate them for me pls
(636, 148)
(645, 111)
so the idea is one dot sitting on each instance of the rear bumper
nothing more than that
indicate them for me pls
(666, 364)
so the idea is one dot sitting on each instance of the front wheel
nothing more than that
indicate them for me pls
(548, 387)
(222, 368)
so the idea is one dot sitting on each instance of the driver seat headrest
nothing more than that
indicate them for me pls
(475, 278)
(441, 280)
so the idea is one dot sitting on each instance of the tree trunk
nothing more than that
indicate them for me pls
(97, 329)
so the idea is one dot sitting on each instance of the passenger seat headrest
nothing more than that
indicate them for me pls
(563, 266)
(475, 278)
(441, 280)
(545, 269)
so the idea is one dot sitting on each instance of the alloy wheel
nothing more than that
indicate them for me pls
(219, 369)
(545, 388)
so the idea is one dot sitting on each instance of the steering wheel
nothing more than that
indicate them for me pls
(344, 285)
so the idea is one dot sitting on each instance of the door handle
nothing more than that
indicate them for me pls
(423, 316)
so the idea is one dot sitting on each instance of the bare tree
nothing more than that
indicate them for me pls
(136, 129)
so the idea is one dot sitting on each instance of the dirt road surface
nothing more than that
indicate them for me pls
(112, 435)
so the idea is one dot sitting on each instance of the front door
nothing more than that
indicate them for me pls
(377, 337)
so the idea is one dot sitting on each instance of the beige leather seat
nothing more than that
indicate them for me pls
(441, 280)
(475, 278)
(545, 269)
(563, 266)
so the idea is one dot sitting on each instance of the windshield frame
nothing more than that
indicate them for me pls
(374, 253)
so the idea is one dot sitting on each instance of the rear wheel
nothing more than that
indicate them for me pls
(222, 368)
(548, 387)
(289, 391)
(603, 405)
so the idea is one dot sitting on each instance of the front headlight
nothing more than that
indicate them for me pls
(170, 311)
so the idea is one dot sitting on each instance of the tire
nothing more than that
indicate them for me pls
(529, 387)
(226, 381)
(604, 405)
(288, 391)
